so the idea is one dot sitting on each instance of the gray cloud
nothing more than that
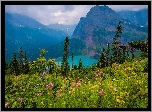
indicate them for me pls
(62, 14)
(127, 7)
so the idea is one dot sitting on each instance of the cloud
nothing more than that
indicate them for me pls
(127, 7)
(62, 14)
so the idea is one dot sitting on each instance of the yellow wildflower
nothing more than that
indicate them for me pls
(42, 103)
(121, 93)
(118, 100)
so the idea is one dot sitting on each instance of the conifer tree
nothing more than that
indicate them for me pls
(72, 61)
(21, 57)
(102, 60)
(25, 64)
(116, 42)
(80, 64)
(64, 66)
(6, 65)
(15, 66)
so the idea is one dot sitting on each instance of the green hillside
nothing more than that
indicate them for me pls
(120, 86)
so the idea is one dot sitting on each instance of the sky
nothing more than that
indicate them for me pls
(62, 14)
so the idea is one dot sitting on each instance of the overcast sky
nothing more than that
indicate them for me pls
(62, 14)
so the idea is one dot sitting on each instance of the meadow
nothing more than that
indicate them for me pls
(119, 86)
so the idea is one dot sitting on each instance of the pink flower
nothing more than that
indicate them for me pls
(111, 87)
(7, 105)
(51, 84)
(20, 99)
(47, 86)
(78, 84)
(114, 89)
(102, 92)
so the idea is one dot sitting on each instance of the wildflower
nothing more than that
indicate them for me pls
(7, 105)
(92, 87)
(39, 94)
(102, 92)
(118, 100)
(58, 95)
(51, 84)
(114, 89)
(78, 84)
(20, 99)
(47, 86)
(72, 89)
(99, 83)
(42, 103)
(111, 87)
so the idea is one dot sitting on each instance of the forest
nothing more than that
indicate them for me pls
(117, 80)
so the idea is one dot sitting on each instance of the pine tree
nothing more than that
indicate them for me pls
(64, 66)
(102, 61)
(116, 42)
(15, 66)
(6, 65)
(80, 64)
(72, 61)
(21, 57)
(25, 64)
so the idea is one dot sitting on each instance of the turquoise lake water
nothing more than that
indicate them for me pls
(86, 61)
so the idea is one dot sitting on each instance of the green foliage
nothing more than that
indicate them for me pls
(142, 46)
(80, 64)
(65, 66)
(72, 61)
(14, 66)
(40, 64)
(116, 42)
(120, 86)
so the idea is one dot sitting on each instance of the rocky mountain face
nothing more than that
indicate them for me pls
(67, 29)
(25, 32)
(137, 17)
(99, 26)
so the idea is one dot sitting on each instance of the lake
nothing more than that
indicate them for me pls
(86, 61)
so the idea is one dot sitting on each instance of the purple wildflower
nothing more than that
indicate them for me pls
(47, 86)
(20, 99)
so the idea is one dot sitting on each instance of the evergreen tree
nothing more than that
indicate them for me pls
(6, 65)
(116, 42)
(80, 64)
(64, 66)
(21, 57)
(15, 66)
(108, 55)
(102, 60)
(25, 64)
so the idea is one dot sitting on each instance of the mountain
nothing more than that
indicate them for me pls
(138, 17)
(25, 32)
(99, 26)
(97, 29)
(67, 29)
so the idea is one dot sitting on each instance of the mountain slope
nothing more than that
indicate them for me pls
(99, 26)
(138, 17)
(22, 31)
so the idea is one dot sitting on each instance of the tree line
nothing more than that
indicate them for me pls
(119, 53)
